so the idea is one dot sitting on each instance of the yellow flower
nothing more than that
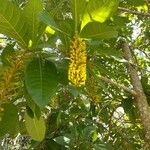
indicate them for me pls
(77, 65)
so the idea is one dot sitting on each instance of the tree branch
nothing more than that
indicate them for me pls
(140, 97)
(134, 12)
(118, 85)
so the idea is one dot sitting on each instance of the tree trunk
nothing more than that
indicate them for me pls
(140, 98)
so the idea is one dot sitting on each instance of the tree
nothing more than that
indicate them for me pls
(75, 74)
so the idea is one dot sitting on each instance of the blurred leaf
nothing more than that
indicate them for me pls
(144, 81)
(129, 108)
(35, 127)
(135, 2)
(87, 132)
(94, 136)
(54, 120)
(63, 73)
(100, 49)
(75, 91)
(41, 80)
(8, 119)
(62, 140)
(52, 145)
(103, 147)
(7, 52)
(120, 21)
(33, 106)
(30, 112)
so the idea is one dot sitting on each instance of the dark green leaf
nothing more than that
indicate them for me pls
(41, 80)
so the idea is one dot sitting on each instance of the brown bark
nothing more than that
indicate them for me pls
(140, 98)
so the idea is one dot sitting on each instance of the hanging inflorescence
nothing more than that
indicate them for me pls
(77, 65)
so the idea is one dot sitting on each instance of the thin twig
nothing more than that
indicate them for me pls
(134, 12)
(118, 85)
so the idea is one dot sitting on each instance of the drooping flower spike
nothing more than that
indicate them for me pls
(77, 65)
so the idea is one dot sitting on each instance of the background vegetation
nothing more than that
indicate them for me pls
(41, 109)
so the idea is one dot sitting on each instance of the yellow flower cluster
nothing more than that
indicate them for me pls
(77, 65)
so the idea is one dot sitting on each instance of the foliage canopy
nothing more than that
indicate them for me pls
(36, 97)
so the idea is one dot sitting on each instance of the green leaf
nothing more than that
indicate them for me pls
(35, 127)
(32, 10)
(41, 80)
(49, 20)
(62, 140)
(34, 107)
(78, 8)
(98, 30)
(99, 10)
(8, 119)
(13, 23)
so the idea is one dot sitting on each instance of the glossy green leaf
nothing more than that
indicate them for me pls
(13, 23)
(98, 30)
(41, 80)
(99, 11)
(36, 127)
(8, 119)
